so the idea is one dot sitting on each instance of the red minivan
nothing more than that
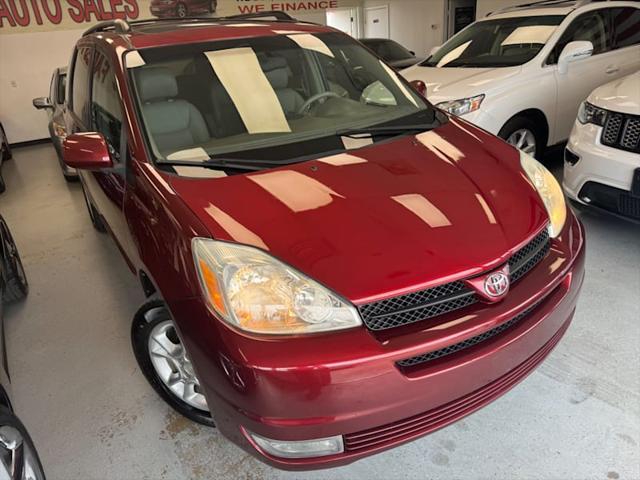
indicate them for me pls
(333, 266)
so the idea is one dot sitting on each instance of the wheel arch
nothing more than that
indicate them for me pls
(148, 286)
(538, 117)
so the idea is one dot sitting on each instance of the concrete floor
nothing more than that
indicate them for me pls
(93, 416)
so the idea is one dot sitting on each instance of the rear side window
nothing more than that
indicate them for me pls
(62, 85)
(106, 113)
(591, 26)
(52, 89)
(626, 26)
(80, 84)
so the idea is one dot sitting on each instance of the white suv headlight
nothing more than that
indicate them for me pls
(588, 113)
(462, 106)
(549, 190)
(255, 292)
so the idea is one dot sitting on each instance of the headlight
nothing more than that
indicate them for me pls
(588, 113)
(59, 130)
(462, 106)
(255, 292)
(548, 189)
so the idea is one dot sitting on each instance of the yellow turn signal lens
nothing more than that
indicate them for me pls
(213, 289)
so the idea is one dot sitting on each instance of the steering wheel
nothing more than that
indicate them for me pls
(314, 98)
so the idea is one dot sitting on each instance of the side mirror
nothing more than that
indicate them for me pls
(42, 102)
(572, 52)
(86, 151)
(412, 53)
(419, 86)
(434, 50)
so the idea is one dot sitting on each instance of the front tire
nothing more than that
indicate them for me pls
(6, 153)
(17, 286)
(524, 134)
(165, 364)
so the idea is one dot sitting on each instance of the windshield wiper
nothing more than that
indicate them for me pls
(252, 165)
(388, 131)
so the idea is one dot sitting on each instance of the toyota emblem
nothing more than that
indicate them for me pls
(496, 284)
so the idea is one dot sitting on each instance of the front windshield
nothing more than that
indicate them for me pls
(503, 42)
(200, 101)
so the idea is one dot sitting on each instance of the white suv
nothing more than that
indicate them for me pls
(522, 72)
(602, 159)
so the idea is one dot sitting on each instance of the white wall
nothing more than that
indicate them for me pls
(27, 61)
(315, 17)
(416, 24)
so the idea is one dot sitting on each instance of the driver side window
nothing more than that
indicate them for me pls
(591, 26)
(106, 113)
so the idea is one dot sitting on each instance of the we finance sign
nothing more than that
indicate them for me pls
(22, 16)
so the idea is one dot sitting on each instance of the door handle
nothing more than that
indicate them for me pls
(611, 69)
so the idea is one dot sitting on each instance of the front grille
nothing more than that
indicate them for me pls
(416, 306)
(614, 200)
(529, 256)
(622, 131)
(423, 423)
(469, 342)
(425, 304)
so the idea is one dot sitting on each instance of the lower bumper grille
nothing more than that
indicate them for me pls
(469, 342)
(436, 418)
(612, 199)
(429, 303)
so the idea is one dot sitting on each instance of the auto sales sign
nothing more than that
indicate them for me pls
(21, 16)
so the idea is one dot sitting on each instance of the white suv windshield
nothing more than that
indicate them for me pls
(203, 100)
(501, 42)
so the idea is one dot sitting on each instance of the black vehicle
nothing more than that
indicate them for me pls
(55, 105)
(18, 456)
(5, 154)
(391, 52)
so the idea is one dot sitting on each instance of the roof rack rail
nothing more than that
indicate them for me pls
(540, 3)
(123, 26)
(277, 14)
(118, 25)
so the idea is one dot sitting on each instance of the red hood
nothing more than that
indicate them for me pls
(388, 218)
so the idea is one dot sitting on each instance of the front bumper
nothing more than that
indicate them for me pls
(348, 383)
(483, 119)
(597, 163)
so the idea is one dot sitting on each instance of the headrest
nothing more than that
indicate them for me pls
(276, 70)
(271, 63)
(155, 83)
(278, 78)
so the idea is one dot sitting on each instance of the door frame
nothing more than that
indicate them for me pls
(377, 7)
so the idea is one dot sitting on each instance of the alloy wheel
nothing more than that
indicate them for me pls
(523, 139)
(17, 457)
(173, 367)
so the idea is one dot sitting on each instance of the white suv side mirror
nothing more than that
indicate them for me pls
(434, 50)
(572, 52)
